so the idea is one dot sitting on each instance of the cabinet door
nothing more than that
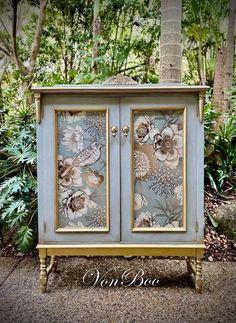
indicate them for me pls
(161, 185)
(79, 166)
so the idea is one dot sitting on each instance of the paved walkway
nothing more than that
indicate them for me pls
(69, 300)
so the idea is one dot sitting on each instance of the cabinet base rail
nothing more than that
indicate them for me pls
(193, 254)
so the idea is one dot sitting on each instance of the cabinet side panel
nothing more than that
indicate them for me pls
(43, 133)
(200, 183)
(40, 181)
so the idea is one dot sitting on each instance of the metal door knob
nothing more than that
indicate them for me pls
(114, 131)
(125, 130)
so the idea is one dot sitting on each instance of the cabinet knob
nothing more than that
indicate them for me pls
(125, 130)
(114, 131)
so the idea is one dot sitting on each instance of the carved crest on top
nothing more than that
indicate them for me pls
(120, 79)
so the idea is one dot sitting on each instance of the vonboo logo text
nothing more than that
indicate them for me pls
(130, 277)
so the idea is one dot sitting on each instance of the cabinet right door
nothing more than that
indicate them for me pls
(161, 169)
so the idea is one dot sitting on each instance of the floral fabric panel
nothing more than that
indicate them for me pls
(158, 169)
(82, 170)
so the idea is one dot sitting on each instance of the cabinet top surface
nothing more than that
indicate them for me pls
(120, 89)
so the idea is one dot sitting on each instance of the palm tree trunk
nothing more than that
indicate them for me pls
(229, 57)
(218, 91)
(170, 42)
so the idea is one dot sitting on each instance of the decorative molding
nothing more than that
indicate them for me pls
(37, 97)
(119, 79)
(201, 106)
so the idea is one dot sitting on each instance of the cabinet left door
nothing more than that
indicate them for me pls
(78, 170)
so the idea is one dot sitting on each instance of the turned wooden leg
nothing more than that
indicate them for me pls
(198, 278)
(43, 274)
(188, 265)
(54, 263)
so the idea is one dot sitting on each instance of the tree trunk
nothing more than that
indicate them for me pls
(170, 42)
(229, 56)
(96, 34)
(200, 57)
(218, 86)
(28, 72)
(201, 66)
(37, 39)
(18, 62)
(3, 69)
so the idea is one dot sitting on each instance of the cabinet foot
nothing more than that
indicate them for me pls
(198, 277)
(43, 279)
(188, 259)
(194, 266)
(53, 264)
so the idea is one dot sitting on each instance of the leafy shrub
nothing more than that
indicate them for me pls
(18, 200)
(220, 151)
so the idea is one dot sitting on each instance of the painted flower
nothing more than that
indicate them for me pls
(141, 164)
(64, 194)
(139, 201)
(144, 220)
(69, 175)
(93, 178)
(78, 203)
(179, 193)
(143, 127)
(168, 146)
(73, 138)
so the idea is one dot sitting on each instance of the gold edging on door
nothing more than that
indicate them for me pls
(184, 227)
(107, 182)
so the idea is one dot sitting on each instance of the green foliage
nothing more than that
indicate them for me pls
(202, 36)
(220, 151)
(211, 219)
(128, 39)
(18, 201)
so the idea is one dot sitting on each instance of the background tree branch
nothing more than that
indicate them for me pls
(14, 35)
(37, 38)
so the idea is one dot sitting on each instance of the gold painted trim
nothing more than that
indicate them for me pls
(191, 250)
(37, 97)
(162, 229)
(184, 227)
(59, 230)
(107, 181)
(201, 106)
(124, 245)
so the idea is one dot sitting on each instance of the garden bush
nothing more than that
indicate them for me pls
(220, 151)
(18, 199)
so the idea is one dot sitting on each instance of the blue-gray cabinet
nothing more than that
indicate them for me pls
(120, 172)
